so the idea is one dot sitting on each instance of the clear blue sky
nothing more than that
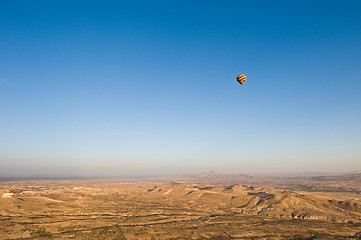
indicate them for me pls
(148, 87)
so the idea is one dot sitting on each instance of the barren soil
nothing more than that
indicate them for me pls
(142, 209)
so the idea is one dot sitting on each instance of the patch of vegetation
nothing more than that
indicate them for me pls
(35, 217)
(41, 233)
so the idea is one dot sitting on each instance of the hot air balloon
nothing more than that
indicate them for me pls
(241, 78)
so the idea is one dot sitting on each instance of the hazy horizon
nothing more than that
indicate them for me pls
(149, 88)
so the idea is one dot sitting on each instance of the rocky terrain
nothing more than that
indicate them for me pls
(150, 209)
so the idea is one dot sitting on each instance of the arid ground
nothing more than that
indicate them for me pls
(205, 206)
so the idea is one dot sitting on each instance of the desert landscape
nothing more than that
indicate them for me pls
(184, 207)
(180, 120)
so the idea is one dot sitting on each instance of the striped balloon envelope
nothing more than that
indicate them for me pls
(241, 78)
